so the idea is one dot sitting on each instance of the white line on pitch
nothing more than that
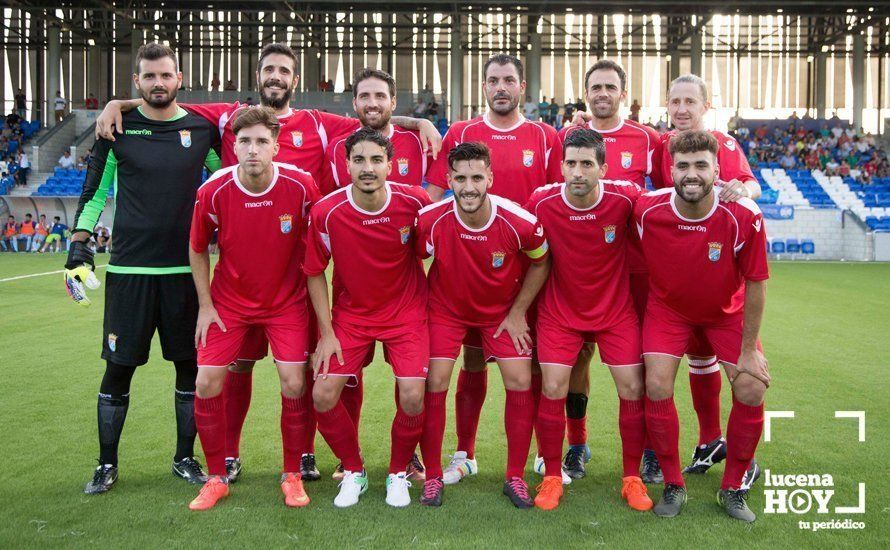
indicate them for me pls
(8, 279)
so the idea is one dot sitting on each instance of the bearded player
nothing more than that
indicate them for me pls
(707, 272)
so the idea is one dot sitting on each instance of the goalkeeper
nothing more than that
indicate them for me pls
(155, 169)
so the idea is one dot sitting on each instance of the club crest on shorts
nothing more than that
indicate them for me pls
(405, 234)
(528, 157)
(286, 223)
(609, 233)
(714, 251)
(403, 166)
(497, 259)
(626, 159)
(298, 138)
(185, 138)
(112, 341)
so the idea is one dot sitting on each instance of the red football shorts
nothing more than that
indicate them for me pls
(256, 345)
(406, 348)
(285, 331)
(447, 335)
(639, 293)
(620, 345)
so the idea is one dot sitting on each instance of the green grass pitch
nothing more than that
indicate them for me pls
(826, 338)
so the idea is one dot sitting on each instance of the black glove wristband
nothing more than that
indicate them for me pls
(78, 254)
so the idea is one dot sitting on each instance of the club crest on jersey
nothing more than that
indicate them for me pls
(497, 259)
(405, 234)
(286, 223)
(609, 234)
(626, 159)
(714, 251)
(298, 138)
(185, 137)
(528, 157)
(403, 167)
(112, 341)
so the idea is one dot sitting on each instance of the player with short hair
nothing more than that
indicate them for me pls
(688, 103)
(367, 228)
(257, 206)
(149, 284)
(629, 157)
(587, 301)
(707, 271)
(525, 155)
(304, 136)
(479, 279)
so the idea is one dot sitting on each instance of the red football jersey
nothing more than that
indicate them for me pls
(629, 150)
(523, 158)
(477, 273)
(698, 268)
(409, 162)
(304, 135)
(730, 158)
(378, 279)
(259, 238)
(588, 288)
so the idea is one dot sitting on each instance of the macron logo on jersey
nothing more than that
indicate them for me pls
(258, 204)
(585, 217)
(701, 228)
(473, 237)
(384, 219)
(506, 137)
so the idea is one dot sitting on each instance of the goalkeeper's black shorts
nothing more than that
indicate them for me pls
(137, 305)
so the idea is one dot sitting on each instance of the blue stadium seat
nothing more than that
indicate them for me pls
(778, 247)
(807, 246)
(792, 246)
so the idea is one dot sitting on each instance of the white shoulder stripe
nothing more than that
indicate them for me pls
(750, 205)
(514, 208)
(435, 205)
(222, 172)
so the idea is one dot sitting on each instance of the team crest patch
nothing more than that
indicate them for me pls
(497, 259)
(403, 167)
(112, 341)
(185, 137)
(298, 138)
(714, 251)
(286, 223)
(626, 159)
(405, 234)
(609, 233)
(528, 157)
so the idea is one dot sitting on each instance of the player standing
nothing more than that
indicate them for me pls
(688, 103)
(587, 300)
(366, 228)
(524, 156)
(707, 271)
(479, 242)
(629, 154)
(256, 206)
(149, 284)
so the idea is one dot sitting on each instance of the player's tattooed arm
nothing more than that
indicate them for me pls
(328, 345)
(515, 323)
(751, 360)
(207, 315)
(111, 121)
(429, 134)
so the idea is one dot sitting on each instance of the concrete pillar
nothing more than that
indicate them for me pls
(53, 68)
(673, 67)
(533, 61)
(858, 80)
(821, 61)
(456, 86)
(94, 72)
(137, 39)
(311, 72)
(695, 52)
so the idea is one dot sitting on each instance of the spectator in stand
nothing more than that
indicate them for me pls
(24, 167)
(544, 111)
(21, 104)
(66, 161)
(59, 105)
(322, 84)
(831, 168)
(427, 95)
(554, 113)
(27, 232)
(580, 105)
(230, 86)
(42, 231)
(420, 109)
(14, 169)
(82, 163)
(568, 111)
(214, 83)
(9, 240)
(530, 109)
(91, 102)
(330, 85)
(103, 238)
(635, 111)
(788, 161)
(812, 160)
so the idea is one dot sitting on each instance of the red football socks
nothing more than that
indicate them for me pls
(742, 436)
(519, 416)
(632, 427)
(294, 420)
(405, 435)
(705, 388)
(468, 400)
(433, 432)
(337, 429)
(663, 427)
(237, 390)
(210, 419)
(550, 425)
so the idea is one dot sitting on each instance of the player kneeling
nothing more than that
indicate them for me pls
(259, 208)
(366, 229)
(478, 242)
(707, 272)
(587, 300)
